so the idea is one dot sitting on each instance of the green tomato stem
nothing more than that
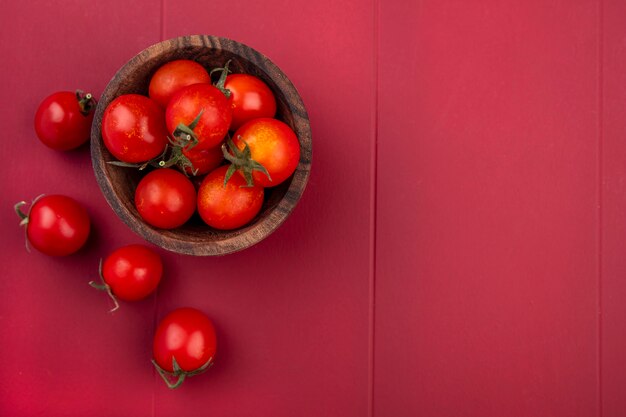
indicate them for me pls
(176, 378)
(86, 102)
(105, 287)
(221, 82)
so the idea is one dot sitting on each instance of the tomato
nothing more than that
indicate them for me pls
(130, 273)
(63, 119)
(208, 102)
(165, 198)
(55, 224)
(250, 98)
(272, 144)
(229, 206)
(133, 128)
(184, 345)
(203, 160)
(173, 76)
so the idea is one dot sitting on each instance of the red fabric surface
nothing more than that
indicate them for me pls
(503, 130)
(458, 250)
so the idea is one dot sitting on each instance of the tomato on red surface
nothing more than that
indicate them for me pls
(165, 198)
(133, 128)
(184, 345)
(205, 101)
(250, 98)
(130, 273)
(203, 160)
(173, 76)
(229, 206)
(63, 119)
(273, 145)
(56, 225)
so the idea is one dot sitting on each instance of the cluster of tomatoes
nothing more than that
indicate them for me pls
(58, 225)
(184, 123)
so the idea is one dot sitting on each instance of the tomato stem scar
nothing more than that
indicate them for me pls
(86, 102)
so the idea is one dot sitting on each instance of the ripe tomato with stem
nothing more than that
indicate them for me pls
(63, 119)
(184, 345)
(200, 115)
(250, 97)
(265, 150)
(56, 225)
(129, 273)
(228, 203)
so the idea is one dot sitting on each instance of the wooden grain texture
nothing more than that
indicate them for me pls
(118, 184)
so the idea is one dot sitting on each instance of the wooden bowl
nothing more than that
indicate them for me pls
(118, 184)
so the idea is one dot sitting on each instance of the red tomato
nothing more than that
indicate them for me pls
(165, 198)
(173, 76)
(231, 206)
(203, 160)
(216, 116)
(272, 144)
(63, 120)
(186, 336)
(250, 98)
(56, 225)
(133, 128)
(132, 272)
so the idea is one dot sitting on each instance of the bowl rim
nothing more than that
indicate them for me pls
(274, 218)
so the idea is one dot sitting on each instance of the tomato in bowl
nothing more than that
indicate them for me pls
(195, 237)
